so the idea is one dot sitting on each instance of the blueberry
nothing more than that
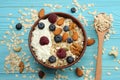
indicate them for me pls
(58, 38)
(69, 40)
(52, 27)
(73, 10)
(70, 59)
(52, 59)
(66, 28)
(18, 26)
(41, 25)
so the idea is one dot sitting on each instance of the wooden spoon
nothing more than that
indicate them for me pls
(99, 56)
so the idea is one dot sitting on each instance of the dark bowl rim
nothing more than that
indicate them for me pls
(66, 16)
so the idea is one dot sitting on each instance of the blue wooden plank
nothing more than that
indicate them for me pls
(108, 6)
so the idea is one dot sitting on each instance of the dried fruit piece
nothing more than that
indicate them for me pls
(72, 26)
(75, 36)
(44, 40)
(79, 72)
(76, 49)
(21, 67)
(60, 21)
(41, 13)
(41, 74)
(90, 42)
(17, 49)
(67, 49)
(65, 36)
(52, 18)
(57, 31)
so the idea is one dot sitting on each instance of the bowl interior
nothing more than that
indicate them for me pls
(65, 16)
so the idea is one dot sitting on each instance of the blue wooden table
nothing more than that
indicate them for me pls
(10, 16)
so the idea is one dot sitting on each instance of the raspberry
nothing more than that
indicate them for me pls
(44, 40)
(41, 74)
(61, 53)
(52, 18)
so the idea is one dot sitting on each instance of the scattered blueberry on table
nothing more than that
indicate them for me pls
(18, 26)
(73, 10)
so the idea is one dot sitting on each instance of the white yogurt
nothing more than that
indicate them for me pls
(42, 51)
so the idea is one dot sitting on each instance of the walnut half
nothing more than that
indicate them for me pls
(76, 49)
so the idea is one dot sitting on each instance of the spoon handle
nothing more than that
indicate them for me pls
(99, 58)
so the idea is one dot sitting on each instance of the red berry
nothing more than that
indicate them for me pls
(44, 40)
(41, 74)
(52, 18)
(61, 53)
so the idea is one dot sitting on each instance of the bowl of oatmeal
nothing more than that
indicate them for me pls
(57, 40)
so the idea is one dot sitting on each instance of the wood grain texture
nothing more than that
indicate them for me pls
(108, 64)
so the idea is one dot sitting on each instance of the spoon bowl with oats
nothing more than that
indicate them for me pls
(102, 24)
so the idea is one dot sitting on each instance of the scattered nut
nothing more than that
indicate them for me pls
(41, 13)
(60, 21)
(65, 36)
(57, 31)
(75, 36)
(79, 72)
(90, 42)
(76, 49)
(17, 49)
(41, 74)
(21, 66)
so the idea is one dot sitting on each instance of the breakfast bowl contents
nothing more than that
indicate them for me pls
(57, 40)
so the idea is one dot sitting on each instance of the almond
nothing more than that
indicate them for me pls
(72, 26)
(90, 42)
(60, 21)
(57, 31)
(41, 13)
(21, 67)
(65, 36)
(75, 36)
(79, 72)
